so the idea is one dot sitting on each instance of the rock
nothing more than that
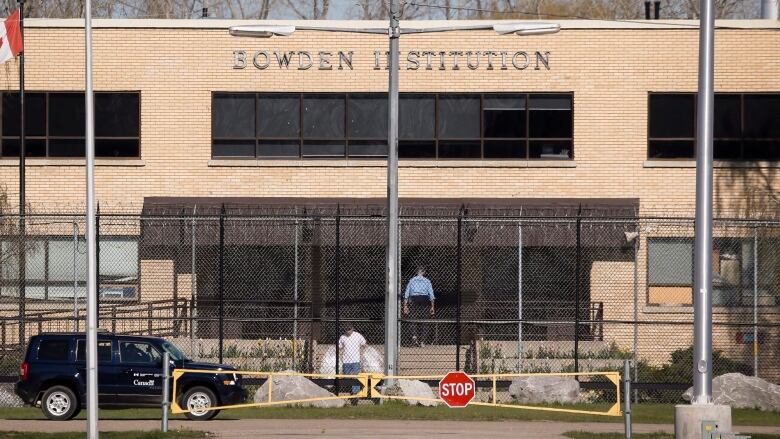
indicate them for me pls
(744, 392)
(289, 388)
(8, 398)
(412, 388)
(545, 390)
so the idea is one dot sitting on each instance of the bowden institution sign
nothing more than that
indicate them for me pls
(414, 60)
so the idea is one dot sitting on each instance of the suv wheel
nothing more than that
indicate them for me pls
(59, 403)
(197, 400)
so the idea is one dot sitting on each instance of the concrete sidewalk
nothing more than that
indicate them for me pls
(334, 428)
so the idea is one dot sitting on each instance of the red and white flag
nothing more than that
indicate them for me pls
(10, 38)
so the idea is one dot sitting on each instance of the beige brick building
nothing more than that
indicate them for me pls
(621, 94)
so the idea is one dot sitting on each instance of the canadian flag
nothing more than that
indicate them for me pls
(10, 38)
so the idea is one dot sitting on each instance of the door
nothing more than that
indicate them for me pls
(107, 369)
(140, 374)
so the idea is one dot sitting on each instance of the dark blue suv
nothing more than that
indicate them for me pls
(129, 375)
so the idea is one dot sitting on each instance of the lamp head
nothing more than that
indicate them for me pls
(261, 31)
(526, 28)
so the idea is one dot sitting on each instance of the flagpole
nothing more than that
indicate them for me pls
(22, 201)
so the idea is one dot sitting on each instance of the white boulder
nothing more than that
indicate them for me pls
(295, 387)
(545, 390)
(8, 398)
(744, 392)
(412, 389)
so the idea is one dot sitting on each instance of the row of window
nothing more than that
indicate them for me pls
(55, 126)
(55, 269)
(444, 126)
(457, 126)
(746, 126)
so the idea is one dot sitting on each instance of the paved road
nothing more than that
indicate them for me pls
(330, 428)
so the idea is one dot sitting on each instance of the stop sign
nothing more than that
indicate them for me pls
(457, 389)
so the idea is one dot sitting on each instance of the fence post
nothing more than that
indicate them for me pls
(577, 294)
(165, 394)
(755, 301)
(520, 350)
(194, 290)
(338, 293)
(458, 303)
(97, 263)
(295, 297)
(22, 257)
(636, 309)
(75, 278)
(221, 280)
(627, 397)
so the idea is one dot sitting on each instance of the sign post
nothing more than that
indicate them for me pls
(457, 389)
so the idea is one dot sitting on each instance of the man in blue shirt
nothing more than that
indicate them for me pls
(419, 303)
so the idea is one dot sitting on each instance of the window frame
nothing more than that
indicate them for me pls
(742, 139)
(46, 282)
(718, 243)
(436, 140)
(47, 137)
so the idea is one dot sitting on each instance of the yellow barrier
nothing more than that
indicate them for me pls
(368, 389)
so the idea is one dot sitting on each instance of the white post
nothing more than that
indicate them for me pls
(92, 317)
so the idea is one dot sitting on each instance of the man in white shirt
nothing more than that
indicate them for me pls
(351, 346)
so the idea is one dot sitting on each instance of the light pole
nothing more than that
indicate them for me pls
(394, 32)
(688, 418)
(92, 310)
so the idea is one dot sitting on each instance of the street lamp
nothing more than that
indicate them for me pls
(394, 31)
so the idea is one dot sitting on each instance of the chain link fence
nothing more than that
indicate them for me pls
(274, 291)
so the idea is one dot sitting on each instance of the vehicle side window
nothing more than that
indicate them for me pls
(53, 350)
(104, 351)
(138, 352)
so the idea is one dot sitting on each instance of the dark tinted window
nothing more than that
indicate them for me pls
(54, 124)
(53, 350)
(504, 116)
(323, 116)
(746, 126)
(368, 116)
(458, 117)
(416, 116)
(233, 115)
(672, 115)
(104, 351)
(549, 116)
(35, 114)
(233, 148)
(671, 149)
(66, 114)
(116, 115)
(138, 352)
(727, 116)
(279, 115)
(762, 116)
(445, 126)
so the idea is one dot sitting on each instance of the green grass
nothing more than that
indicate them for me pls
(657, 435)
(642, 413)
(179, 434)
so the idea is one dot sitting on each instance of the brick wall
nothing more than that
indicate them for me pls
(610, 72)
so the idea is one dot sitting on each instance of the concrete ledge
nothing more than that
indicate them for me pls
(370, 163)
(74, 162)
(672, 163)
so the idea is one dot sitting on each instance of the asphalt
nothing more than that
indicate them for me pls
(332, 428)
